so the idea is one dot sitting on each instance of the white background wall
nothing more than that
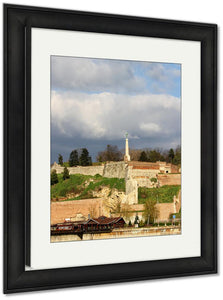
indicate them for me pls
(202, 287)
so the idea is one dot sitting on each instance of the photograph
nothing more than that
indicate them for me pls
(110, 150)
(115, 148)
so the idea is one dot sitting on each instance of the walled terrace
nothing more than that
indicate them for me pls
(79, 210)
(137, 173)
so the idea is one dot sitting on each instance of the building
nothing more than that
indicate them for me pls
(99, 225)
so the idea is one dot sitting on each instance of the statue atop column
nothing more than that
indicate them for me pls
(127, 156)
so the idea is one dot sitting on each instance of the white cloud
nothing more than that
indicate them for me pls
(160, 72)
(109, 115)
(150, 128)
(83, 74)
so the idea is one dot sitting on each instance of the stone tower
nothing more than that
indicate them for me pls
(127, 156)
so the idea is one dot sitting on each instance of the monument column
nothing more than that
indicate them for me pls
(127, 156)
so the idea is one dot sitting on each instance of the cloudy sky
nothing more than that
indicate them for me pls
(95, 101)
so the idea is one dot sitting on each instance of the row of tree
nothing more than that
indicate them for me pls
(171, 156)
(150, 213)
(80, 157)
(112, 153)
(77, 158)
(54, 177)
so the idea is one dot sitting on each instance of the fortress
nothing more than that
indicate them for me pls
(136, 173)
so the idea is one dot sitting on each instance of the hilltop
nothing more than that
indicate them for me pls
(80, 186)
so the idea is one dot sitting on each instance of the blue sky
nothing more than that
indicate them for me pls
(95, 101)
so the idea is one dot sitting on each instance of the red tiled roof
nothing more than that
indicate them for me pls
(101, 220)
(108, 220)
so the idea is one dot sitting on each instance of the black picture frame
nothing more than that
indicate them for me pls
(18, 21)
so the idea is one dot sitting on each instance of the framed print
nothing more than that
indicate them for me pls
(110, 148)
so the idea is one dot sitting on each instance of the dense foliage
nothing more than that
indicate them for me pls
(53, 177)
(60, 159)
(66, 174)
(164, 194)
(73, 159)
(85, 159)
(151, 211)
(111, 153)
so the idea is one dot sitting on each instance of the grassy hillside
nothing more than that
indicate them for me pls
(163, 194)
(84, 185)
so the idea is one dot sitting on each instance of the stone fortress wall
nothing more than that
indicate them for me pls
(136, 174)
(77, 210)
(109, 169)
(62, 210)
(131, 187)
(142, 172)
(169, 179)
(115, 169)
(89, 170)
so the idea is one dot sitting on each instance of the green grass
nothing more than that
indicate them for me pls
(75, 184)
(163, 194)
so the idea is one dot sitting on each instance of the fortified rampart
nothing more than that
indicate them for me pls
(62, 210)
(109, 169)
(115, 169)
(88, 170)
(80, 209)
(144, 165)
(159, 166)
(169, 179)
(165, 209)
(143, 176)
(136, 174)
(118, 169)
(131, 187)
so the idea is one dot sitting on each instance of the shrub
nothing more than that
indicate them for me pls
(54, 177)
(153, 179)
(141, 223)
(65, 173)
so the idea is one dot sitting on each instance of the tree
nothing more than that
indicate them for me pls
(73, 160)
(111, 153)
(66, 174)
(143, 156)
(151, 212)
(177, 157)
(90, 161)
(60, 159)
(155, 155)
(136, 220)
(171, 155)
(85, 159)
(54, 177)
(134, 154)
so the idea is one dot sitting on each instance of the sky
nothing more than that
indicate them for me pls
(94, 102)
